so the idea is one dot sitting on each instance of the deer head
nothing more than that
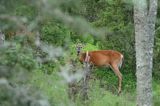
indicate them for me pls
(79, 47)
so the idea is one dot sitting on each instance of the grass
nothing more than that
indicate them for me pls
(54, 88)
(102, 97)
(156, 93)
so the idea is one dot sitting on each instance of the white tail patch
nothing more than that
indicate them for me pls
(121, 62)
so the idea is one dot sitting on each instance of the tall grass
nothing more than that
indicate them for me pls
(55, 89)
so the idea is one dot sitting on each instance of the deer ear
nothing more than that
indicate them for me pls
(79, 45)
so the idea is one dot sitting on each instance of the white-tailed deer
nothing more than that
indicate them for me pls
(99, 58)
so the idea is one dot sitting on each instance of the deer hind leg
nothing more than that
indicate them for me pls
(119, 75)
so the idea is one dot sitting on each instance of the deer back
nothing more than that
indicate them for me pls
(103, 57)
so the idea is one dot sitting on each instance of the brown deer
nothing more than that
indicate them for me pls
(99, 58)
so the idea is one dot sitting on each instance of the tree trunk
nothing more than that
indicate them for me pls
(144, 20)
(85, 83)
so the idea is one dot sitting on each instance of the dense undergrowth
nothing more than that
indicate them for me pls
(35, 64)
(55, 89)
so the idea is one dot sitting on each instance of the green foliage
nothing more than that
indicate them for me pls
(54, 90)
(112, 100)
(88, 39)
(90, 47)
(109, 80)
(52, 86)
(120, 31)
(27, 12)
(50, 67)
(156, 92)
(156, 62)
(18, 59)
(90, 8)
(14, 54)
(54, 33)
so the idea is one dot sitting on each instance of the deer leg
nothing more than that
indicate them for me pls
(119, 75)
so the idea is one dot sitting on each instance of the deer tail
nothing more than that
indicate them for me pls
(121, 61)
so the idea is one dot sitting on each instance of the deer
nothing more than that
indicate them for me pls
(100, 58)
